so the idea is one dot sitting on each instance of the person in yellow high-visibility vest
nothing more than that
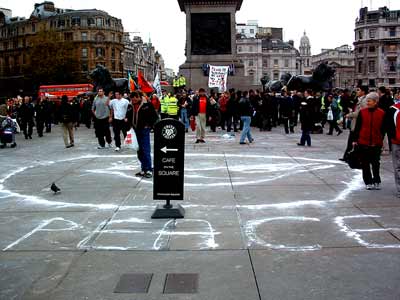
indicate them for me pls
(172, 107)
(182, 82)
(175, 84)
(164, 105)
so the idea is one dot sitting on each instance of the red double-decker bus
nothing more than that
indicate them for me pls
(54, 92)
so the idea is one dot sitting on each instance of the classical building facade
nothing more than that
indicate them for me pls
(266, 57)
(264, 53)
(342, 60)
(304, 59)
(140, 56)
(97, 38)
(377, 48)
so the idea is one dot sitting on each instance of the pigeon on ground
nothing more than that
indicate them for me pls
(55, 188)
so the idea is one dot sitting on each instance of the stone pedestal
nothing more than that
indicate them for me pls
(211, 39)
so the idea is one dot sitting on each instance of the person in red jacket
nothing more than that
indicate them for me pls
(393, 121)
(369, 133)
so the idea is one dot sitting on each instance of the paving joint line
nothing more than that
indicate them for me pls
(254, 274)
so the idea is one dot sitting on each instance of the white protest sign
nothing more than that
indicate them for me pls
(218, 78)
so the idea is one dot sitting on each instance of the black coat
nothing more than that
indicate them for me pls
(306, 115)
(146, 116)
(196, 106)
(286, 107)
(245, 108)
(26, 112)
(67, 113)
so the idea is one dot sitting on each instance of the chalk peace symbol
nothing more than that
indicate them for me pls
(169, 132)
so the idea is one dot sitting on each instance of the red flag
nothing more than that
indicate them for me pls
(132, 85)
(144, 85)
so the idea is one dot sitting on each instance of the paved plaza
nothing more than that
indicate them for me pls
(264, 221)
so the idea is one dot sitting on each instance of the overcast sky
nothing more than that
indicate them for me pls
(328, 23)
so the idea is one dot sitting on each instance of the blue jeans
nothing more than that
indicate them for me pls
(246, 129)
(305, 137)
(144, 153)
(184, 117)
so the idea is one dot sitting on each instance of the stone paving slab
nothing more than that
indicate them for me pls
(344, 274)
(222, 275)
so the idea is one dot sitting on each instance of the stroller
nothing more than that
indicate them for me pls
(8, 128)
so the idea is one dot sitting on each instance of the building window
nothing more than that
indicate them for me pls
(372, 83)
(372, 33)
(33, 27)
(276, 63)
(113, 66)
(252, 31)
(99, 22)
(251, 49)
(90, 22)
(113, 37)
(84, 36)
(371, 66)
(392, 31)
(113, 53)
(239, 49)
(68, 36)
(360, 50)
(61, 23)
(392, 81)
(360, 35)
(85, 67)
(76, 21)
(371, 49)
(360, 66)
(251, 63)
(243, 31)
(392, 64)
(100, 38)
(100, 52)
(84, 52)
(286, 63)
(265, 63)
(276, 76)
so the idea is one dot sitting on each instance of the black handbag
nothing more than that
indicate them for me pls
(354, 159)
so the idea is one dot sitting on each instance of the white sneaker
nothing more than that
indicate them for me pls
(369, 187)
(377, 186)
(110, 146)
(117, 149)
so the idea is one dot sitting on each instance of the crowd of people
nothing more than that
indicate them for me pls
(369, 115)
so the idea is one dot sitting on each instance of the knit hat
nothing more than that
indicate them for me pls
(373, 96)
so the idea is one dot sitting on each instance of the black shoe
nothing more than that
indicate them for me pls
(252, 141)
(242, 143)
(26, 137)
(2, 146)
(69, 146)
(13, 145)
(329, 134)
(339, 133)
(197, 142)
(140, 174)
(202, 141)
(342, 159)
(302, 145)
(30, 137)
